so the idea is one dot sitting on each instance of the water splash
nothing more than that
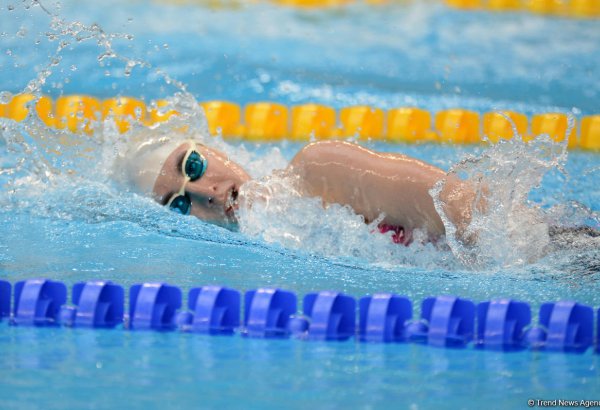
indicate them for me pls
(275, 210)
(507, 228)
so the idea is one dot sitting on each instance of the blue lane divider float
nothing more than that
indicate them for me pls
(153, 306)
(38, 302)
(502, 324)
(563, 326)
(97, 304)
(383, 317)
(332, 315)
(4, 299)
(446, 321)
(212, 309)
(268, 312)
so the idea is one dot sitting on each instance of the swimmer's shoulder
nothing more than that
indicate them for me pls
(327, 151)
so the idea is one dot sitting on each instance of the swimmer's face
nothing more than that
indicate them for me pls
(213, 196)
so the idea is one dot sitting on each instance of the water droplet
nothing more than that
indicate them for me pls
(73, 67)
(264, 78)
(10, 7)
(129, 67)
(5, 97)
(106, 54)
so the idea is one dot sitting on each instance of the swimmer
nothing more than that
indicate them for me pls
(197, 180)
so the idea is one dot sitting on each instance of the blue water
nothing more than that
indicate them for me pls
(74, 228)
(104, 369)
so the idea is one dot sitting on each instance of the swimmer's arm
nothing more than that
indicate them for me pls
(374, 183)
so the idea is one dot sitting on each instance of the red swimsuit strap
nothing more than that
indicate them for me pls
(398, 235)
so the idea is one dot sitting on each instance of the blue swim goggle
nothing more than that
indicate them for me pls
(193, 166)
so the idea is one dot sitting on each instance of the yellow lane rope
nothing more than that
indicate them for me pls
(269, 121)
(564, 8)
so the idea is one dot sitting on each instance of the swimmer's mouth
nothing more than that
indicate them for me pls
(231, 203)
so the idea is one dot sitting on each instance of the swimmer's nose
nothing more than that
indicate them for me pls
(207, 189)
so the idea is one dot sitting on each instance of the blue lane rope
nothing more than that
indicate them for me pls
(446, 321)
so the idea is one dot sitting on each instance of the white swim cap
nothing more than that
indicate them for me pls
(140, 166)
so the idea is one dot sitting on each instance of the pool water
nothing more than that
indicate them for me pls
(62, 216)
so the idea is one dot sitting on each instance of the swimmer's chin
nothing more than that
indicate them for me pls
(229, 222)
(229, 225)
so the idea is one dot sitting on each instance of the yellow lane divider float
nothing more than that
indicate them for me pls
(565, 8)
(267, 121)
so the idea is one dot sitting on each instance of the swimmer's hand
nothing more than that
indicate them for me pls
(459, 201)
